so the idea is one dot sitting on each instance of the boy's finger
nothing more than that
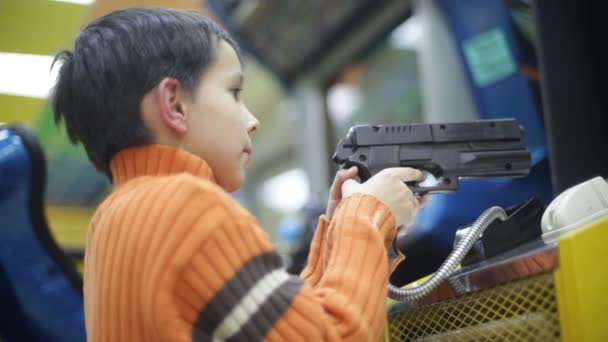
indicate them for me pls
(344, 174)
(341, 177)
(351, 172)
(407, 174)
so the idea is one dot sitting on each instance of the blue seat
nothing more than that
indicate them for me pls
(40, 287)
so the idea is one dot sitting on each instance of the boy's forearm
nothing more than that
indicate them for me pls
(355, 255)
(348, 259)
(322, 243)
(347, 274)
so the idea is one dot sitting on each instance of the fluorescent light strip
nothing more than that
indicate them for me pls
(79, 2)
(27, 75)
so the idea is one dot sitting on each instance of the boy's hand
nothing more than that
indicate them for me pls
(335, 192)
(389, 187)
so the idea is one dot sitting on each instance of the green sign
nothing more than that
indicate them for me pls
(489, 57)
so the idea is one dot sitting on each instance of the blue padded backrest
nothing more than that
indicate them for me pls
(39, 280)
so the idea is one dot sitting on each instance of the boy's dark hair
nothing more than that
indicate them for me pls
(116, 60)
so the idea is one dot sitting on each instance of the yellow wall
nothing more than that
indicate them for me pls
(19, 109)
(69, 224)
(36, 27)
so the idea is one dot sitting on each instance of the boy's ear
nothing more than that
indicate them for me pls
(171, 99)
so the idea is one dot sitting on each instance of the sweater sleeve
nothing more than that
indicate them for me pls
(226, 282)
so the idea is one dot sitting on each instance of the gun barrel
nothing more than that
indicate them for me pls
(485, 164)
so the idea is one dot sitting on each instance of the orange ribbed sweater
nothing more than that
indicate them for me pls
(171, 257)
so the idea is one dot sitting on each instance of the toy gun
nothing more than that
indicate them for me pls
(479, 149)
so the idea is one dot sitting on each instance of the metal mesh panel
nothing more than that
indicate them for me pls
(524, 310)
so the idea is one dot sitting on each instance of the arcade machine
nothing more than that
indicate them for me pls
(531, 274)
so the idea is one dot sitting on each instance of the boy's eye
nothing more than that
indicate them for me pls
(236, 92)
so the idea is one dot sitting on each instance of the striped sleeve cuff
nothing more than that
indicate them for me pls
(250, 303)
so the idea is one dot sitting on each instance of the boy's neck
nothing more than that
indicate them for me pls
(157, 160)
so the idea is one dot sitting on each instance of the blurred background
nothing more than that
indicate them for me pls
(313, 68)
(305, 90)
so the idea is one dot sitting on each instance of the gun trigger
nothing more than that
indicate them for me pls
(416, 189)
(419, 191)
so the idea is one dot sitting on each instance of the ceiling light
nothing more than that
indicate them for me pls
(27, 75)
(286, 192)
(407, 35)
(79, 2)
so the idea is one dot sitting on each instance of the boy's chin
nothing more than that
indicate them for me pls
(234, 183)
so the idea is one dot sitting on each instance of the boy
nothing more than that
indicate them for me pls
(154, 97)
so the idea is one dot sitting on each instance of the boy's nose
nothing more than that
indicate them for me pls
(252, 123)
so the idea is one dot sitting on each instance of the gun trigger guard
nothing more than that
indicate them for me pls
(363, 172)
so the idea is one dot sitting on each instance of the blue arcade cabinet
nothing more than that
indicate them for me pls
(494, 53)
